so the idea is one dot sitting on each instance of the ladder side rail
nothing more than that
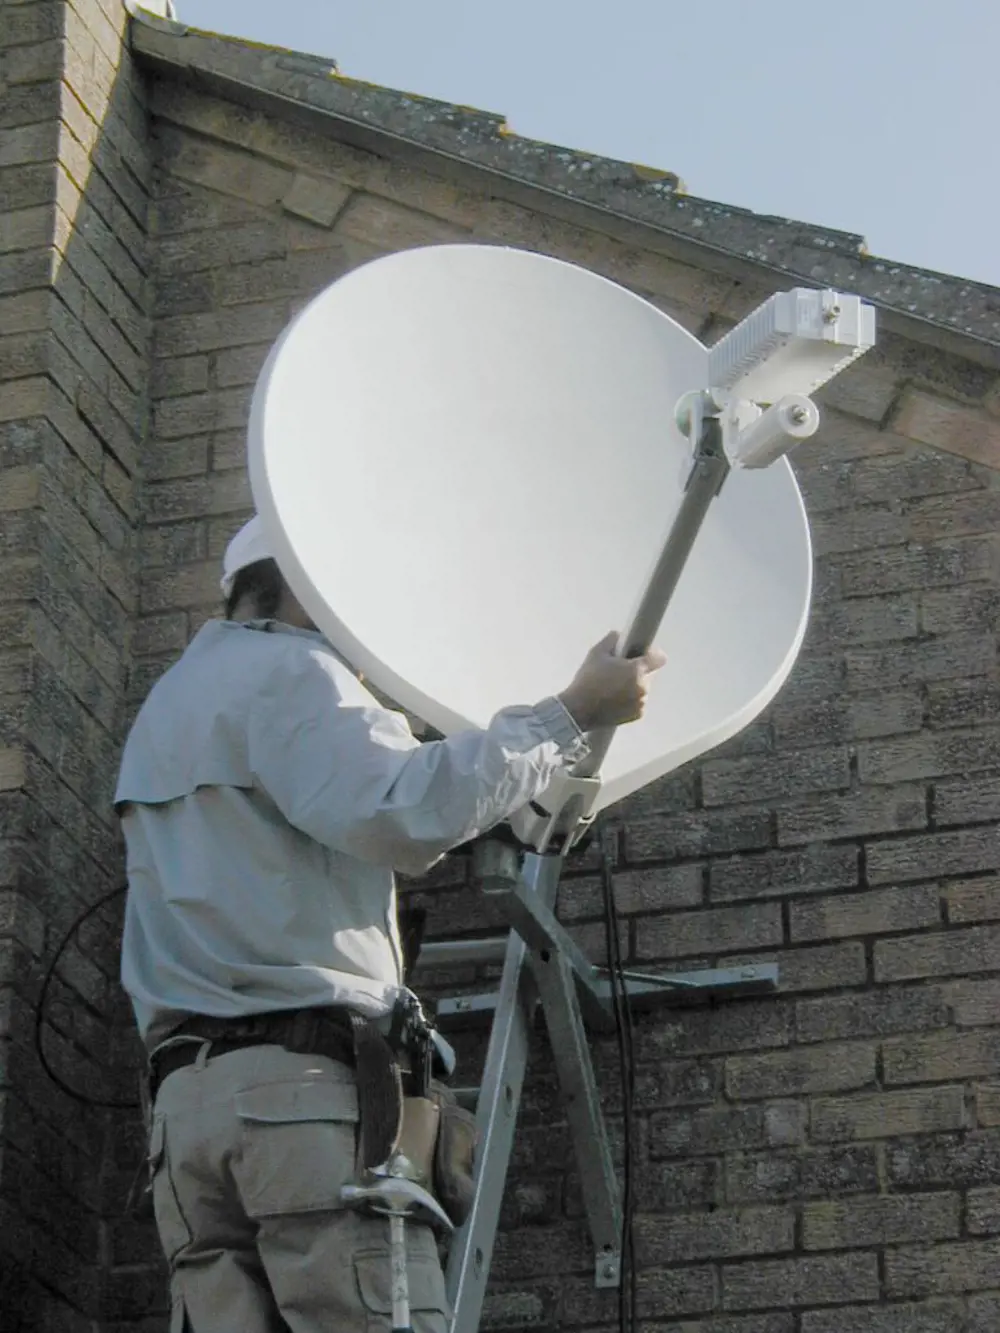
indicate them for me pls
(554, 976)
(471, 1251)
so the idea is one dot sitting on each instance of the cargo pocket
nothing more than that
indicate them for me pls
(171, 1224)
(428, 1302)
(297, 1147)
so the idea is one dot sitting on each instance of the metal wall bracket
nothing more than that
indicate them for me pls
(644, 991)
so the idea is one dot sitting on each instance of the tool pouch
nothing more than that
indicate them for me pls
(454, 1155)
(437, 1144)
(418, 1138)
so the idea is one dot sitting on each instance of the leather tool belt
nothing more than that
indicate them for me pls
(402, 1108)
(338, 1033)
(309, 1031)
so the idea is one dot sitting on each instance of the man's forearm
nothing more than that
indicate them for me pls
(447, 792)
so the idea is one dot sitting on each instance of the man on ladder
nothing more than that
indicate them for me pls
(266, 799)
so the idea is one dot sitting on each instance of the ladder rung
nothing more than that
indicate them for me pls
(445, 953)
(466, 1011)
(467, 1097)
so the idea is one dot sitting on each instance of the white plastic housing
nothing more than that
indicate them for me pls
(773, 433)
(792, 344)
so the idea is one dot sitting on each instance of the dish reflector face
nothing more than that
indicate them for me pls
(466, 461)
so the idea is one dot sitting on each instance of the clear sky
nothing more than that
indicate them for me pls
(872, 116)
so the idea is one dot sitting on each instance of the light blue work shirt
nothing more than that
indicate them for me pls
(267, 798)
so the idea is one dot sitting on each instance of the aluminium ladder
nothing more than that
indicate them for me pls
(542, 964)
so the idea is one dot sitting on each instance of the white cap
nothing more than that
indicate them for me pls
(246, 548)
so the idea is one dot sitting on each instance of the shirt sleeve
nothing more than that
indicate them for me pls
(349, 772)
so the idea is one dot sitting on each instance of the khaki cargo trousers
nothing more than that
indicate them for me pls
(249, 1151)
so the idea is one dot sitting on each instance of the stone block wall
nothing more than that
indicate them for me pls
(826, 1159)
(75, 175)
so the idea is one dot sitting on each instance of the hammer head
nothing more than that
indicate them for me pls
(396, 1196)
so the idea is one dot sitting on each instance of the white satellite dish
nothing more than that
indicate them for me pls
(467, 462)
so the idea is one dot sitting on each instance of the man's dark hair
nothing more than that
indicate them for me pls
(262, 583)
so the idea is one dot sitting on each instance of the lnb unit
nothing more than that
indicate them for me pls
(792, 344)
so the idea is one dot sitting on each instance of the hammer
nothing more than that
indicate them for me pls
(397, 1198)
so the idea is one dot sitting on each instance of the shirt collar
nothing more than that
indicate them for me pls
(314, 636)
(279, 627)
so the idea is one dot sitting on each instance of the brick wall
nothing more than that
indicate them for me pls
(74, 180)
(827, 1159)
